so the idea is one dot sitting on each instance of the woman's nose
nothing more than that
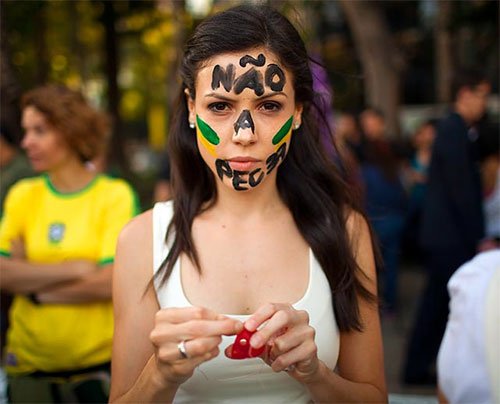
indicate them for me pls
(25, 141)
(244, 129)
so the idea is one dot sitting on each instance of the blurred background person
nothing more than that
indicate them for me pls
(469, 357)
(347, 138)
(452, 219)
(385, 199)
(489, 149)
(13, 163)
(415, 179)
(57, 241)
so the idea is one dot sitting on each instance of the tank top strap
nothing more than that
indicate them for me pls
(162, 215)
(169, 293)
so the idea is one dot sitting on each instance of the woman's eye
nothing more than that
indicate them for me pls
(39, 130)
(218, 106)
(271, 106)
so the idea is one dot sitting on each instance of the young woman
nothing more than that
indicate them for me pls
(57, 239)
(260, 236)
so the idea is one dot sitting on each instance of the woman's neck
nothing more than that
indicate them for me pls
(71, 178)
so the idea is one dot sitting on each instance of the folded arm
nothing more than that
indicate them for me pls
(95, 286)
(21, 276)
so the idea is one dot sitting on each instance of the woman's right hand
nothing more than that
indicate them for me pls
(199, 329)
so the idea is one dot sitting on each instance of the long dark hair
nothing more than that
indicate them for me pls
(307, 181)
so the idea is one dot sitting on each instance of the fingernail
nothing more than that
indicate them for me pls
(256, 341)
(238, 326)
(250, 325)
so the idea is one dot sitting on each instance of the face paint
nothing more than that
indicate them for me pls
(251, 79)
(223, 169)
(272, 72)
(244, 121)
(255, 177)
(260, 78)
(255, 181)
(238, 180)
(260, 61)
(207, 135)
(225, 76)
(283, 134)
(273, 160)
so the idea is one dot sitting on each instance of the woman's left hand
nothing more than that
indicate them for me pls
(289, 339)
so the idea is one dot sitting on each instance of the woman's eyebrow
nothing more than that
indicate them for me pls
(273, 94)
(219, 96)
(225, 98)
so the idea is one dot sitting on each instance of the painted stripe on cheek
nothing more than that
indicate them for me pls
(282, 134)
(207, 132)
(208, 146)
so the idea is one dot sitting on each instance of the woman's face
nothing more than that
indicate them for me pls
(44, 145)
(425, 137)
(244, 114)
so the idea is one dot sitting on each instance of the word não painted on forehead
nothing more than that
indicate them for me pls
(273, 78)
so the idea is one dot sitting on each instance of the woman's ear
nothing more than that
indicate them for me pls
(190, 105)
(297, 116)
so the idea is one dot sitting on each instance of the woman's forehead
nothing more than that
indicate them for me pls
(258, 69)
(257, 57)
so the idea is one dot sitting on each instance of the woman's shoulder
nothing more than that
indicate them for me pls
(137, 231)
(114, 184)
(356, 224)
(26, 186)
(360, 236)
(141, 226)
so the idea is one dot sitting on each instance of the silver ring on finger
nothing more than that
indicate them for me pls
(181, 346)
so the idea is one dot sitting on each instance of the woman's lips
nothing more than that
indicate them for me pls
(243, 163)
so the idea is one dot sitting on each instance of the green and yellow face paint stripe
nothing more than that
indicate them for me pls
(283, 134)
(207, 136)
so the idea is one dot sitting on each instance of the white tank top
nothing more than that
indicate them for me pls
(223, 380)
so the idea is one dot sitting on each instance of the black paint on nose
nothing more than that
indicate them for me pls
(244, 121)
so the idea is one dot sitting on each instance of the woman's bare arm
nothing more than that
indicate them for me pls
(135, 305)
(361, 362)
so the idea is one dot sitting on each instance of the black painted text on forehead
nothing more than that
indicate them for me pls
(273, 77)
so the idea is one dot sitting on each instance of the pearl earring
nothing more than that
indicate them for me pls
(191, 125)
(296, 126)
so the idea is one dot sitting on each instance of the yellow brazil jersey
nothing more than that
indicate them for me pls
(57, 227)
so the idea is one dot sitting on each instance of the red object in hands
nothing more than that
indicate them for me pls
(242, 348)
